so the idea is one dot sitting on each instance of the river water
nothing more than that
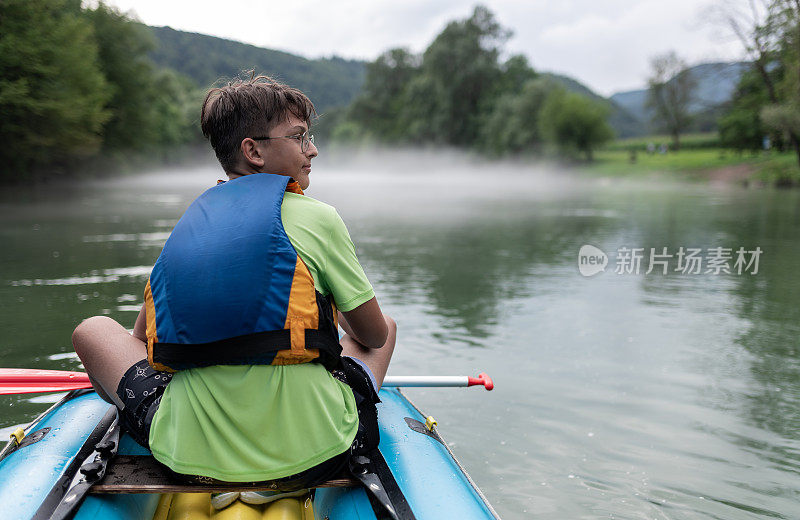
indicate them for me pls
(618, 395)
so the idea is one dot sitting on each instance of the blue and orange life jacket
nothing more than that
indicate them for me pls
(230, 289)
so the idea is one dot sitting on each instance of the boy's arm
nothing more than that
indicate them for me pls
(140, 328)
(344, 325)
(345, 281)
(365, 324)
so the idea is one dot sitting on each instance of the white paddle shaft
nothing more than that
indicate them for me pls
(482, 380)
(426, 381)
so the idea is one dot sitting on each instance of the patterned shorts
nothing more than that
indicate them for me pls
(141, 389)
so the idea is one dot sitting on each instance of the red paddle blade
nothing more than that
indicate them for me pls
(28, 381)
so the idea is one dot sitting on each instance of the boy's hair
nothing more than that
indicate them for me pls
(247, 108)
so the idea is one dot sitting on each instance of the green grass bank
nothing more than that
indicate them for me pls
(700, 158)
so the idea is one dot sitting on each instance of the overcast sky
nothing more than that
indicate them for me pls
(605, 44)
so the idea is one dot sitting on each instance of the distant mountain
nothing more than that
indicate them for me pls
(330, 82)
(633, 101)
(716, 83)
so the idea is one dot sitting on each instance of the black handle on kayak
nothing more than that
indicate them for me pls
(88, 467)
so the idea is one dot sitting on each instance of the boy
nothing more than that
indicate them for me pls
(250, 400)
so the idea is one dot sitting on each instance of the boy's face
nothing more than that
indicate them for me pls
(285, 156)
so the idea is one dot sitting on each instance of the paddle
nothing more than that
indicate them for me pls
(483, 380)
(29, 380)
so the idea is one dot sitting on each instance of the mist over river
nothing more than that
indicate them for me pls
(619, 395)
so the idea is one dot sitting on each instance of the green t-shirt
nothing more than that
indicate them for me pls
(251, 423)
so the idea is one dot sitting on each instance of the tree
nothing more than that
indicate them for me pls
(768, 32)
(513, 125)
(176, 104)
(783, 114)
(749, 22)
(462, 68)
(123, 46)
(741, 127)
(52, 92)
(574, 122)
(442, 97)
(516, 72)
(380, 106)
(670, 93)
(422, 116)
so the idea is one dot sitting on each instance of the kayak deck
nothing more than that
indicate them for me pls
(142, 474)
(430, 477)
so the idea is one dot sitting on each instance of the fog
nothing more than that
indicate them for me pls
(407, 183)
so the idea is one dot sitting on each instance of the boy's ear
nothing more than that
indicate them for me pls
(251, 153)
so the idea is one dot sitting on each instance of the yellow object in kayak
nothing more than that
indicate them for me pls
(197, 506)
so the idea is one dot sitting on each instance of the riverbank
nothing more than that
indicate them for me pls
(717, 165)
(112, 164)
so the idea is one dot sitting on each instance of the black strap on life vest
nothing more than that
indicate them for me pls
(250, 349)
(88, 467)
(258, 348)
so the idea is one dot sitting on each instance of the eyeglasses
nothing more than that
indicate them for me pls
(304, 139)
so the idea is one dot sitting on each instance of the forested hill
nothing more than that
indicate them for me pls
(330, 82)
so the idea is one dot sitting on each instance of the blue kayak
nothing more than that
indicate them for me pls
(429, 476)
